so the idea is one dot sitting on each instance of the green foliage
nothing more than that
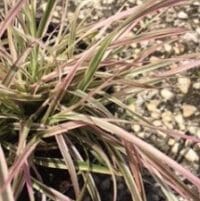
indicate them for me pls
(54, 97)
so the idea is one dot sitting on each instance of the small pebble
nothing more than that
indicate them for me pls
(184, 84)
(194, 130)
(167, 116)
(196, 85)
(168, 47)
(192, 156)
(182, 15)
(175, 148)
(198, 30)
(152, 105)
(196, 3)
(180, 121)
(139, 2)
(166, 94)
(142, 135)
(171, 142)
(188, 110)
(136, 128)
(196, 21)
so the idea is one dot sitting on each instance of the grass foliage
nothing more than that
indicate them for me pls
(59, 81)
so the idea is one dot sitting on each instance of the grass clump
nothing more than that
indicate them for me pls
(58, 83)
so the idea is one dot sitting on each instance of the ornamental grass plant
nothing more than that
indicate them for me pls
(63, 98)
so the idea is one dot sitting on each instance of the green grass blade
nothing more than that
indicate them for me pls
(82, 166)
(94, 64)
(45, 18)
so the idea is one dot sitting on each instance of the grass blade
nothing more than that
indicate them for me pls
(7, 194)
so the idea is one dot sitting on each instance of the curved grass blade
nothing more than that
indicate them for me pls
(104, 157)
(121, 133)
(69, 163)
(126, 173)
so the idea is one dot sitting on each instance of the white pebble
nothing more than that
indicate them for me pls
(168, 47)
(180, 121)
(196, 85)
(184, 84)
(166, 94)
(175, 148)
(136, 128)
(192, 156)
(182, 15)
(171, 142)
(167, 116)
